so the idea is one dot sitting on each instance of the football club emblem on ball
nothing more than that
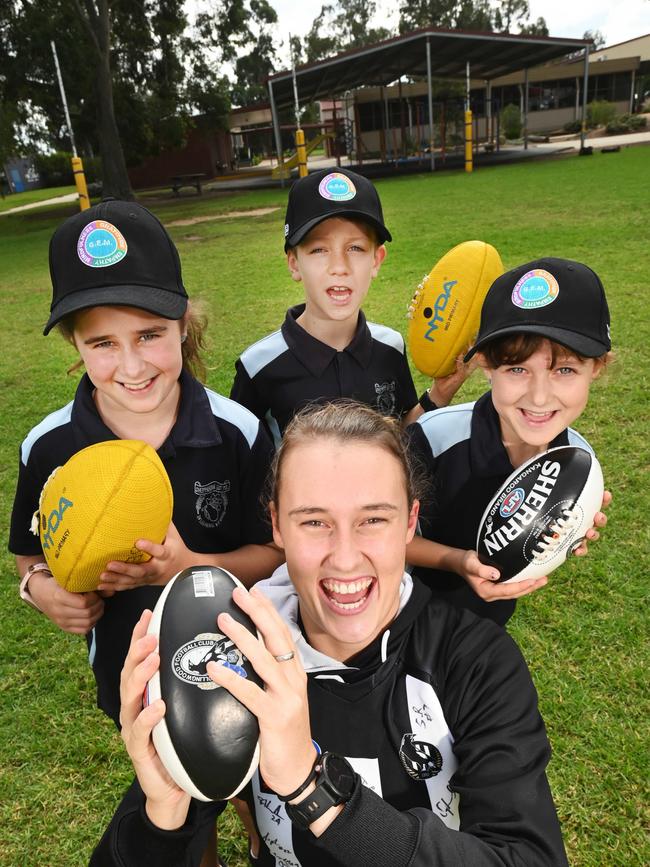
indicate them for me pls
(190, 662)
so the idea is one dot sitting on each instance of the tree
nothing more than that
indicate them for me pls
(342, 26)
(510, 12)
(453, 14)
(535, 28)
(502, 16)
(252, 68)
(97, 23)
(597, 37)
(136, 73)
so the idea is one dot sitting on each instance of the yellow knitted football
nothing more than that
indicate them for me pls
(94, 508)
(445, 310)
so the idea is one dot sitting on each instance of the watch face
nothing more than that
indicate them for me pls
(338, 774)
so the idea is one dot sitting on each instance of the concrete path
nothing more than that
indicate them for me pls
(69, 197)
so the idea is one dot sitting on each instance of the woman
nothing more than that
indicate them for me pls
(434, 709)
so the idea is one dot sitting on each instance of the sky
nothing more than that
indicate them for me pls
(617, 21)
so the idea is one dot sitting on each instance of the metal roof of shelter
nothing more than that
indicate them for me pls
(489, 55)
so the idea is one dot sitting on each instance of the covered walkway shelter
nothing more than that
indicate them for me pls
(423, 54)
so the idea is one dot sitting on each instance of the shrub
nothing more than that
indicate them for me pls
(635, 121)
(511, 121)
(626, 123)
(56, 169)
(600, 113)
(617, 127)
(572, 126)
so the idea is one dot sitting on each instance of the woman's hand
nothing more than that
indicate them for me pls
(287, 753)
(166, 803)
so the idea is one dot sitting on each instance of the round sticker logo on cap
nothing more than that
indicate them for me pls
(337, 187)
(100, 244)
(537, 288)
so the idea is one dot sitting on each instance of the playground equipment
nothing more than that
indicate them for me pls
(283, 169)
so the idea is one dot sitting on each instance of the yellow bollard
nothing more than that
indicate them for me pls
(302, 153)
(80, 181)
(469, 157)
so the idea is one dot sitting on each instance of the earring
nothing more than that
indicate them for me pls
(183, 338)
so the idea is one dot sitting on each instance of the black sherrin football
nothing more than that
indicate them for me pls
(541, 513)
(207, 740)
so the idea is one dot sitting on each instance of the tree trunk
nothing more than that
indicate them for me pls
(96, 17)
(115, 177)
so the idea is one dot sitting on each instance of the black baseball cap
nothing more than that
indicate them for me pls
(331, 193)
(115, 253)
(557, 298)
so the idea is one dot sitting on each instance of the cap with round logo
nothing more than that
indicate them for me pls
(331, 193)
(115, 253)
(556, 298)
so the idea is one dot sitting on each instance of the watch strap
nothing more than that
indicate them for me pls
(23, 589)
(324, 796)
(312, 807)
(426, 403)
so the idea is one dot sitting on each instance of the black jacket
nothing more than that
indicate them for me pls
(440, 718)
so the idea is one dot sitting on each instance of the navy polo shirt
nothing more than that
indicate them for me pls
(289, 369)
(217, 456)
(462, 453)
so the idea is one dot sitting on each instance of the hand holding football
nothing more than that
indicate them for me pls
(97, 505)
(541, 513)
(207, 740)
(445, 310)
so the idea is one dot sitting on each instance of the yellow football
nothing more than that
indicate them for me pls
(445, 311)
(95, 507)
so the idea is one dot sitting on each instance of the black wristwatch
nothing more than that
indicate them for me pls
(335, 781)
(426, 403)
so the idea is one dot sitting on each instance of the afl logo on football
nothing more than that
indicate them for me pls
(100, 244)
(512, 502)
(337, 187)
(190, 662)
(537, 288)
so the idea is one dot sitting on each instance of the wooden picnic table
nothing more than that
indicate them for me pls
(192, 180)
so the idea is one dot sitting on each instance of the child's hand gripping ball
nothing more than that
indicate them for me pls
(97, 505)
(207, 740)
(541, 513)
(445, 311)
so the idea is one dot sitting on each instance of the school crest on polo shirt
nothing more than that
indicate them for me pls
(385, 392)
(211, 502)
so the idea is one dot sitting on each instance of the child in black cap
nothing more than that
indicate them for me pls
(543, 339)
(119, 298)
(325, 349)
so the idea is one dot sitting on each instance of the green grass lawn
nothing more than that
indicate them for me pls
(62, 763)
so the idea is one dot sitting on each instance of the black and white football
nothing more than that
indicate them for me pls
(207, 740)
(541, 513)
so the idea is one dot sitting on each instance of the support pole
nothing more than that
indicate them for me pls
(585, 88)
(430, 93)
(488, 112)
(469, 157)
(300, 133)
(277, 134)
(526, 109)
(77, 164)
